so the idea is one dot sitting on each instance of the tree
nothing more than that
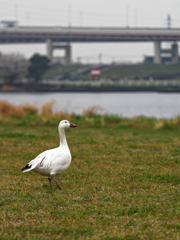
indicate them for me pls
(38, 66)
(12, 66)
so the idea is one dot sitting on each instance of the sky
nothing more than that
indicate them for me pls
(94, 13)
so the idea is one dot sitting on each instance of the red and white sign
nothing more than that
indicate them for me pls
(95, 72)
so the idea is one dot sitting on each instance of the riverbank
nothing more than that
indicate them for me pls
(81, 88)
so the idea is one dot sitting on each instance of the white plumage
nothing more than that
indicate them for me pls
(53, 161)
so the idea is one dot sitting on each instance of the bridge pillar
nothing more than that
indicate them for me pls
(68, 54)
(49, 49)
(51, 46)
(67, 48)
(174, 53)
(157, 52)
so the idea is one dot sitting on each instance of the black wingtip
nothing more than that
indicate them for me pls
(26, 167)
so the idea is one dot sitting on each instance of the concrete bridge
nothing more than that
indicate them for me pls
(61, 37)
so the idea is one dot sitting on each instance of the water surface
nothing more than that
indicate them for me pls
(166, 105)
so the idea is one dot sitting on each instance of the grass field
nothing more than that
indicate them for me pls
(161, 71)
(123, 182)
(134, 71)
(55, 71)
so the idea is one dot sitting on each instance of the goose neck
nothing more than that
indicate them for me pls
(62, 136)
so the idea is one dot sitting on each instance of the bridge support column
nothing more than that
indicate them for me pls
(67, 48)
(49, 49)
(174, 53)
(68, 54)
(51, 46)
(157, 52)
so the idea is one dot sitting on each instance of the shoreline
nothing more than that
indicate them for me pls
(45, 88)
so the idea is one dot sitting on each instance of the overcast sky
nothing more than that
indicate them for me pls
(97, 13)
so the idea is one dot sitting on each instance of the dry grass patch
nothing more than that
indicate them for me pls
(7, 109)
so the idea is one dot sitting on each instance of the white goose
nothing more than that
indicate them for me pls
(53, 161)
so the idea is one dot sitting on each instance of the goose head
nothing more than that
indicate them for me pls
(66, 124)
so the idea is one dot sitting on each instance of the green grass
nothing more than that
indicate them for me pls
(123, 182)
(65, 71)
(157, 71)
(135, 71)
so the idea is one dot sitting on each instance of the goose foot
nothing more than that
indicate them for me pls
(57, 184)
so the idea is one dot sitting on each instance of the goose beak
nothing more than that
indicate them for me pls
(73, 125)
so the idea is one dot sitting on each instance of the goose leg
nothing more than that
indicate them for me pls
(58, 185)
(49, 181)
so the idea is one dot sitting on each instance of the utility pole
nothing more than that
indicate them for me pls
(16, 13)
(100, 58)
(28, 19)
(135, 17)
(127, 16)
(69, 16)
(169, 21)
(81, 19)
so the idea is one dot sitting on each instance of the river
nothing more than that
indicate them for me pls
(151, 104)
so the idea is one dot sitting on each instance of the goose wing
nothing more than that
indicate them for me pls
(43, 160)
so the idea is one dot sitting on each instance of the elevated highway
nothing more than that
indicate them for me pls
(61, 37)
(62, 34)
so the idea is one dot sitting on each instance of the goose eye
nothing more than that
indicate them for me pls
(65, 121)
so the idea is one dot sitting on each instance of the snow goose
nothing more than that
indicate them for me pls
(53, 161)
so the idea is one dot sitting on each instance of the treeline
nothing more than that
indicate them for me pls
(15, 67)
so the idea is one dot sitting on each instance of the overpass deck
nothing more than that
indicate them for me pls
(75, 34)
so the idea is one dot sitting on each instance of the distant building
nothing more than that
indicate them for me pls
(8, 24)
(150, 59)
